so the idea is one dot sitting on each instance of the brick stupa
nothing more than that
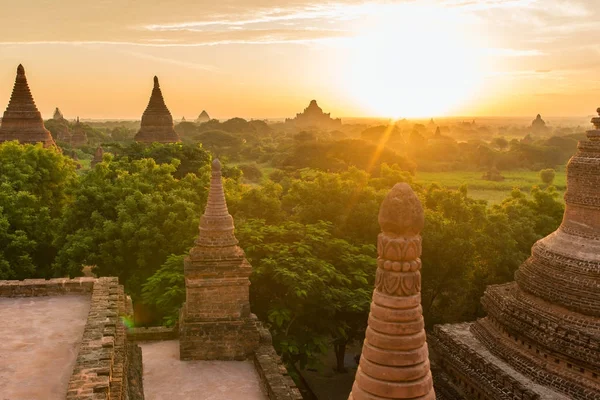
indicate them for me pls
(78, 137)
(157, 121)
(98, 155)
(22, 121)
(394, 363)
(541, 336)
(215, 321)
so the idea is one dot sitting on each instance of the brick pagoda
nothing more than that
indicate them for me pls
(541, 337)
(22, 121)
(78, 137)
(394, 363)
(157, 121)
(215, 321)
(98, 155)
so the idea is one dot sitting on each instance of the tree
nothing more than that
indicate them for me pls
(547, 176)
(34, 189)
(165, 290)
(127, 218)
(312, 289)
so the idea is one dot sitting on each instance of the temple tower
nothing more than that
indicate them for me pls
(394, 363)
(22, 121)
(215, 320)
(98, 155)
(79, 137)
(157, 121)
(541, 336)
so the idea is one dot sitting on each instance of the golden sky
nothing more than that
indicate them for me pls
(269, 58)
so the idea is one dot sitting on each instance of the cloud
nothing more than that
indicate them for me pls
(513, 52)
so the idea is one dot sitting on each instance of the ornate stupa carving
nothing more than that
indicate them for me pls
(157, 121)
(22, 121)
(78, 136)
(314, 117)
(215, 320)
(98, 155)
(203, 117)
(541, 336)
(394, 363)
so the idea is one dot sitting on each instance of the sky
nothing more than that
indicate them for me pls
(269, 58)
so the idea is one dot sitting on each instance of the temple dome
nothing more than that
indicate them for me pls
(157, 121)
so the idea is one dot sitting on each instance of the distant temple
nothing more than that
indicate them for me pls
(541, 336)
(98, 155)
(157, 121)
(78, 137)
(538, 125)
(58, 115)
(22, 121)
(314, 117)
(203, 117)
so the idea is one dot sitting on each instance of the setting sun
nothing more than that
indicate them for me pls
(412, 61)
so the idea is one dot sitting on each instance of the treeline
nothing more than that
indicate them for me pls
(309, 236)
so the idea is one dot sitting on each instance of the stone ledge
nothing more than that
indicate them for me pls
(273, 374)
(153, 333)
(46, 287)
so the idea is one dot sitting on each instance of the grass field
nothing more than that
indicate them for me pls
(493, 192)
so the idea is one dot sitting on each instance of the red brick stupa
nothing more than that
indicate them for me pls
(215, 320)
(394, 363)
(157, 121)
(22, 121)
(541, 336)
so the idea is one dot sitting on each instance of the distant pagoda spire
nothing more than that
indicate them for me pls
(157, 121)
(22, 121)
(79, 137)
(395, 359)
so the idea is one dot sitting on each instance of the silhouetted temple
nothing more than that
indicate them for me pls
(157, 121)
(58, 115)
(541, 337)
(538, 125)
(22, 121)
(98, 155)
(203, 117)
(314, 117)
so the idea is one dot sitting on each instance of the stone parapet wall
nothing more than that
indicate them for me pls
(43, 287)
(273, 374)
(102, 365)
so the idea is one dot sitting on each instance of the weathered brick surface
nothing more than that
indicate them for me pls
(278, 384)
(101, 369)
(43, 287)
(157, 122)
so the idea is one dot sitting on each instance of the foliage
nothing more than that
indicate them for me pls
(547, 176)
(165, 290)
(127, 218)
(34, 184)
(309, 286)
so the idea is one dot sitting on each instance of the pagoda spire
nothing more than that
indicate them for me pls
(157, 121)
(217, 286)
(22, 121)
(395, 360)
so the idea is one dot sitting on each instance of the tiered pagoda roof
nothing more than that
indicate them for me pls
(22, 121)
(541, 337)
(157, 121)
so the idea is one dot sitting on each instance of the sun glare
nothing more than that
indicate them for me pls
(412, 61)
